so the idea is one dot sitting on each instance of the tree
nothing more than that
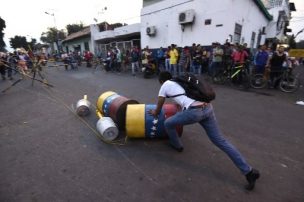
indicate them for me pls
(73, 28)
(32, 43)
(300, 44)
(2, 27)
(291, 42)
(52, 35)
(19, 42)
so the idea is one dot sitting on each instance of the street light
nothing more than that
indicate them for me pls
(52, 14)
(57, 34)
(101, 12)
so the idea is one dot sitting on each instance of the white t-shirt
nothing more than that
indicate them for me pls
(171, 88)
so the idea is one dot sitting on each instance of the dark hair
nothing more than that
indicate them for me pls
(164, 76)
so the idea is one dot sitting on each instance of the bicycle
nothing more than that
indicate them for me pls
(287, 81)
(237, 76)
(97, 62)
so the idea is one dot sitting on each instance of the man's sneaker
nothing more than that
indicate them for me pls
(300, 102)
(179, 149)
(251, 177)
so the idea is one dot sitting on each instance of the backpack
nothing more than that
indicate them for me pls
(197, 89)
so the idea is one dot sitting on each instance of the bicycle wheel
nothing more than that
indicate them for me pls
(241, 81)
(219, 78)
(289, 84)
(258, 81)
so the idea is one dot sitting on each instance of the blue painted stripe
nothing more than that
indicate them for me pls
(154, 128)
(107, 104)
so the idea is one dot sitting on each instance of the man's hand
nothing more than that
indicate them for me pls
(152, 112)
(160, 102)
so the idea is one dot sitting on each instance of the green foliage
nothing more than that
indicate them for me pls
(300, 44)
(2, 27)
(292, 42)
(19, 42)
(32, 43)
(52, 35)
(73, 28)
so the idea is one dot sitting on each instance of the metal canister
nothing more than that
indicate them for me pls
(106, 127)
(83, 106)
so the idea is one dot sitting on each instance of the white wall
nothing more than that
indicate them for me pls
(128, 29)
(164, 15)
(272, 31)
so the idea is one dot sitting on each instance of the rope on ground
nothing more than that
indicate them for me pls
(119, 142)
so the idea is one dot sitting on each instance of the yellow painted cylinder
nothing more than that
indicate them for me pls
(135, 121)
(101, 99)
(140, 124)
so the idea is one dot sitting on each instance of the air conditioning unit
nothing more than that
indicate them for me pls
(186, 17)
(151, 31)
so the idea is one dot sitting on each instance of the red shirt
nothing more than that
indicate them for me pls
(239, 56)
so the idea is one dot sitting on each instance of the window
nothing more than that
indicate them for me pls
(272, 3)
(208, 22)
(237, 33)
(86, 46)
(252, 39)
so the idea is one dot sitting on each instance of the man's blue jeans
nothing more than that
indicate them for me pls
(173, 69)
(206, 118)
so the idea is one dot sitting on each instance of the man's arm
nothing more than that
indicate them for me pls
(160, 103)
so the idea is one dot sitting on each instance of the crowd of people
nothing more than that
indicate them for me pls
(194, 59)
(20, 61)
(199, 60)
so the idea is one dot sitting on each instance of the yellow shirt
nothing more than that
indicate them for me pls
(173, 56)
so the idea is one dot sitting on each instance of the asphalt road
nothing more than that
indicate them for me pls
(47, 153)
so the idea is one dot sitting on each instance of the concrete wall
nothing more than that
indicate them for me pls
(223, 14)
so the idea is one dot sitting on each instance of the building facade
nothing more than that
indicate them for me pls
(277, 29)
(97, 38)
(124, 37)
(184, 22)
(79, 41)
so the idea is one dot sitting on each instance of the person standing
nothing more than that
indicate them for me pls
(118, 59)
(134, 60)
(160, 60)
(167, 60)
(202, 113)
(217, 59)
(5, 65)
(184, 61)
(146, 56)
(275, 66)
(260, 60)
(173, 59)
(197, 60)
(88, 56)
(205, 60)
(227, 61)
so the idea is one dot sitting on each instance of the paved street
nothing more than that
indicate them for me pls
(47, 153)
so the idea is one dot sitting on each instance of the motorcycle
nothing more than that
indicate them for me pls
(106, 63)
(149, 70)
